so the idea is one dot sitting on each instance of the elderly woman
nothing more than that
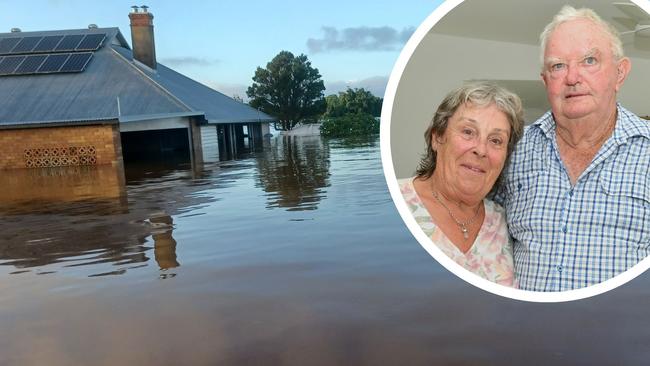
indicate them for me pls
(468, 142)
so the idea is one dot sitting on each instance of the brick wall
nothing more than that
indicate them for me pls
(60, 146)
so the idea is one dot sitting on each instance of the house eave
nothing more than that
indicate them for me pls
(149, 117)
(214, 121)
(58, 123)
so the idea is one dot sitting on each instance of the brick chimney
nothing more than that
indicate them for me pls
(144, 48)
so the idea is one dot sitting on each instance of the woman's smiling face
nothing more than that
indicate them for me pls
(472, 151)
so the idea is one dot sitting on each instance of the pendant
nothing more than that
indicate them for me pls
(464, 230)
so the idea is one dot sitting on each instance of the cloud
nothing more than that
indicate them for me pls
(188, 61)
(230, 90)
(360, 39)
(376, 85)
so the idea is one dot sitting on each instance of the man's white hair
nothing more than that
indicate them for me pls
(569, 13)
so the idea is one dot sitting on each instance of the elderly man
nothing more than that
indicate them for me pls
(577, 191)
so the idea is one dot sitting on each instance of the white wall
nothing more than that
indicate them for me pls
(209, 143)
(442, 62)
(634, 94)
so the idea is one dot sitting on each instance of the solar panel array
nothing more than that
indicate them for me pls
(41, 44)
(47, 54)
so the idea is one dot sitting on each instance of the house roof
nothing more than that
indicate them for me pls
(113, 87)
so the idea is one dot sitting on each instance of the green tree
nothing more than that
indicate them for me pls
(357, 100)
(289, 88)
(350, 124)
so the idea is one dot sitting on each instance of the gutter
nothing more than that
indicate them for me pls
(57, 123)
(148, 117)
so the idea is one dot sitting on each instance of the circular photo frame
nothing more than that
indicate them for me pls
(475, 40)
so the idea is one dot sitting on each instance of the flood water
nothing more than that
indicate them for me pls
(294, 255)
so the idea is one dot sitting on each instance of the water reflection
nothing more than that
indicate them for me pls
(48, 190)
(295, 170)
(106, 221)
(164, 243)
(66, 218)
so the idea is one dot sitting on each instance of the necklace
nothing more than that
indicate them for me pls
(462, 225)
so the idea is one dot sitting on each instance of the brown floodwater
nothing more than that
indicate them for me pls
(294, 255)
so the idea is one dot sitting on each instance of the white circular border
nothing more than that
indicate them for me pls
(409, 220)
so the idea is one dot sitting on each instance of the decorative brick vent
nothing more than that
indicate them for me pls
(60, 156)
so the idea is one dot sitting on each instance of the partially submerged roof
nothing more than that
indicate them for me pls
(112, 87)
(218, 108)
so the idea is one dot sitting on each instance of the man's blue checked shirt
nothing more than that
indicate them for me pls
(567, 237)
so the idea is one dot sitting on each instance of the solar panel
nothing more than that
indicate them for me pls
(77, 62)
(9, 64)
(91, 42)
(69, 43)
(6, 44)
(26, 45)
(54, 43)
(47, 44)
(47, 54)
(53, 62)
(31, 64)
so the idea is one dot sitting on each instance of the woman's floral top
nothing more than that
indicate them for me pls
(491, 254)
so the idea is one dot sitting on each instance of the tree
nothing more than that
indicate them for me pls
(289, 88)
(354, 113)
(354, 101)
(350, 125)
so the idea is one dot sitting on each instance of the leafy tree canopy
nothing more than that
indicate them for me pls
(357, 100)
(350, 124)
(289, 88)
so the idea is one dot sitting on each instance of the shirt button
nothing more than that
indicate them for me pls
(559, 268)
(519, 186)
(564, 229)
(571, 193)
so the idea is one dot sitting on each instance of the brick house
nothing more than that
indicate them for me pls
(84, 97)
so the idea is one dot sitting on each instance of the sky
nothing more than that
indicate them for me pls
(221, 43)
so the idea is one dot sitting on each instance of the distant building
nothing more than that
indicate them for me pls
(83, 97)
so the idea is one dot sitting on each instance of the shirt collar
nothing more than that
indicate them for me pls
(546, 124)
(629, 125)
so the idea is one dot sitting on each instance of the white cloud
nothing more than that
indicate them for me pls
(360, 38)
(188, 61)
(230, 90)
(376, 85)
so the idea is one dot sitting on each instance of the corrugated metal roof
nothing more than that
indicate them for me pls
(111, 74)
(218, 107)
